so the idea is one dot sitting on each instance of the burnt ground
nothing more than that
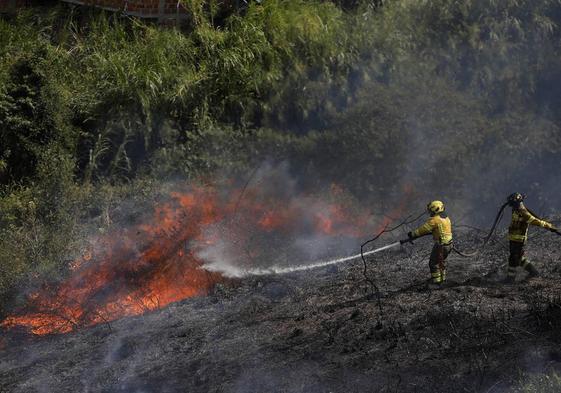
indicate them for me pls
(321, 331)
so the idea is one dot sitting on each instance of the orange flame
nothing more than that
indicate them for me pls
(138, 270)
(149, 266)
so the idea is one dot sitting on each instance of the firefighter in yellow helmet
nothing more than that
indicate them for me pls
(522, 218)
(440, 226)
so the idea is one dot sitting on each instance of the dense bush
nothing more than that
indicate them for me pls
(32, 117)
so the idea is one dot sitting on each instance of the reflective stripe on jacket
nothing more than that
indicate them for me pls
(440, 227)
(521, 220)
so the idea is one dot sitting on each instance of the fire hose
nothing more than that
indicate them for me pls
(498, 218)
(410, 240)
(464, 254)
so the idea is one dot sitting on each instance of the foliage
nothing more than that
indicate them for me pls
(39, 224)
(31, 117)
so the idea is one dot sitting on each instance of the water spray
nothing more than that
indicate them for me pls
(309, 266)
(298, 268)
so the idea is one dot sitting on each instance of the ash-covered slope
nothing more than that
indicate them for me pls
(320, 331)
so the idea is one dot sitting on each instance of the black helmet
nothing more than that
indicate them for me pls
(515, 199)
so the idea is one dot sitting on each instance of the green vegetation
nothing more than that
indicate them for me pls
(94, 107)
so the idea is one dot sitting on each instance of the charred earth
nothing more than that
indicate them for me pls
(323, 330)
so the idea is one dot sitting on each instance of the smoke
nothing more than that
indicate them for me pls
(277, 224)
(190, 239)
(451, 149)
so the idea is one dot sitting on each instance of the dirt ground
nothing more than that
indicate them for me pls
(325, 330)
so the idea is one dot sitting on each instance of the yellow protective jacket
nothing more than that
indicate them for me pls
(521, 220)
(439, 226)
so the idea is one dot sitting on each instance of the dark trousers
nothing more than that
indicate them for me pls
(437, 261)
(517, 258)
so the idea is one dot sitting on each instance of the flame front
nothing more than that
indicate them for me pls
(136, 270)
(148, 266)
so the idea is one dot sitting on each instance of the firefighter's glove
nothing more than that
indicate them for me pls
(409, 239)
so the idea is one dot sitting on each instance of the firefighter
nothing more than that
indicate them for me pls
(522, 218)
(440, 226)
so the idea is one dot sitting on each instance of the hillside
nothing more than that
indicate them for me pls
(144, 169)
(319, 331)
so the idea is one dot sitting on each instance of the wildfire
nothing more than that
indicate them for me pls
(136, 270)
(148, 266)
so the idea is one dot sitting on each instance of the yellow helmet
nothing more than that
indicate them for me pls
(435, 207)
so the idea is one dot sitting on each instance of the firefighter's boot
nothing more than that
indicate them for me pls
(510, 275)
(509, 280)
(532, 271)
(436, 281)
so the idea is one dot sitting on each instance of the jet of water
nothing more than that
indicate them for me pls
(284, 270)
